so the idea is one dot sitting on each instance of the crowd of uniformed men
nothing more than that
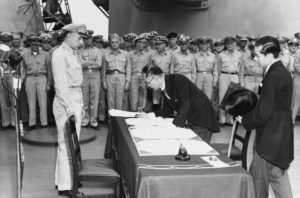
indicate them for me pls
(112, 76)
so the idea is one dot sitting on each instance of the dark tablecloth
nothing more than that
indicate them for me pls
(163, 176)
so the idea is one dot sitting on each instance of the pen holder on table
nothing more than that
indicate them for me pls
(182, 154)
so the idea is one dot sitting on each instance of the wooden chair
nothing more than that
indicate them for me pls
(231, 150)
(90, 170)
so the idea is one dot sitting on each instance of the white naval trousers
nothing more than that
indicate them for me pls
(63, 170)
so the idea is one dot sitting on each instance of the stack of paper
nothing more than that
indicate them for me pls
(161, 132)
(120, 113)
(171, 147)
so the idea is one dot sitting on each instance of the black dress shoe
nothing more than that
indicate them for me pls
(85, 126)
(96, 127)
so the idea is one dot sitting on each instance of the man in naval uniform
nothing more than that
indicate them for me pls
(67, 75)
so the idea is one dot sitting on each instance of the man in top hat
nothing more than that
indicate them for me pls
(67, 75)
(284, 55)
(229, 68)
(161, 57)
(139, 58)
(172, 42)
(194, 109)
(206, 67)
(6, 99)
(183, 61)
(116, 72)
(91, 62)
(272, 119)
(34, 69)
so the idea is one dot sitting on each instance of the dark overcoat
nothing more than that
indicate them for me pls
(190, 103)
(272, 117)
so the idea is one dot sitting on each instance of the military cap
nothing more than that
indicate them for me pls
(293, 41)
(146, 35)
(161, 39)
(229, 39)
(204, 40)
(58, 34)
(72, 27)
(34, 38)
(6, 36)
(129, 37)
(183, 39)
(140, 38)
(88, 34)
(194, 41)
(297, 35)
(218, 42)
(19, 32)
(105, 43)
(97, 38)
(251, 38)
(282, 39)
(153, 34)
(45, 37)
(242, 37)
(172, 35)
(113, 36)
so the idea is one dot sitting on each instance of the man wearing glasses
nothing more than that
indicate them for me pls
(67, 75)
(183, 98)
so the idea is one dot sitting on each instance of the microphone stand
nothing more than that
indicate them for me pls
(19, 132)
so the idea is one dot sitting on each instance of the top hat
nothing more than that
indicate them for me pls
(238, 100)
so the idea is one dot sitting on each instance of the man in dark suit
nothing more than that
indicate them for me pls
(272, 119)
(185, 100)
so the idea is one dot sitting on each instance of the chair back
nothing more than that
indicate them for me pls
(75, 151)
(244, 140)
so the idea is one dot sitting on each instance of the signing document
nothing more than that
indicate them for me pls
(158, 136)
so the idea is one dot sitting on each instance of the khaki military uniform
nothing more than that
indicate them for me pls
(35, 68)
(138, 90)
(229, 71)
(91, 60)
(253, 73)
(207, 73)
(184, 64)
(116, 71)
(67, 75)
(162, 60)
